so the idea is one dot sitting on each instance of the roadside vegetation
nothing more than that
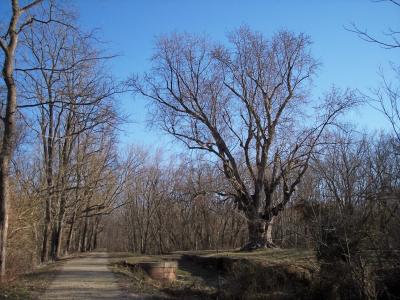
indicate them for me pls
(31, 284)
(225, 275)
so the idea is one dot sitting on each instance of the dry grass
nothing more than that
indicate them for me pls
(194, 280)
(14, 291)
(199, 276)
(272, 256)
(31, 285)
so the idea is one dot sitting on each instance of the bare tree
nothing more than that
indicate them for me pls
(246, 106)
(172, 204)
(19, 19)
(66, 101)
(386, 98)
(392, 36)
(63, 82)
(353, 214)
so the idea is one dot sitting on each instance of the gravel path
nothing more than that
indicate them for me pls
(86, 278)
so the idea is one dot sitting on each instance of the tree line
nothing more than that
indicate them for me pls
(60, 170)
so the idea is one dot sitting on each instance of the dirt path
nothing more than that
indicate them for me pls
(86, 277)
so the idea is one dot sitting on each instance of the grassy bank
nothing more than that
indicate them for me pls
(263, 274)
(31, 285)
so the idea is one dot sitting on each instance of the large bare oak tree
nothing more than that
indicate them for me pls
(248, 105)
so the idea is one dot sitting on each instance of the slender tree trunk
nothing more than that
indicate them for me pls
(53, 242)
(8, 137)
(94, 244)
(58, 240)
(47, 138)
(84, 233)
(47, 229)
(4, 198)
(78, 237)
(35, 254)
(71, 228)
(93, 239)
(65, 157)
(83, 238)
(60, 226)
(95, 234)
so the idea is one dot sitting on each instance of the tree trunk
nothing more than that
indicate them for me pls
(95, 235)
(4, 198)
(8, 140)
(48, 236)
(58, 240)
(93, 242)
(65, 157)
(260, 234)
(47, 229)
(270, 243)
(84, 235)
(60, 226)
(71, 228)
(53, 242)
(35, 237)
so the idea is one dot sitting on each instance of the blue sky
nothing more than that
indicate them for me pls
(130, 28)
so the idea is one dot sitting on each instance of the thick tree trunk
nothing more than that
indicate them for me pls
(260, 235)
(268, 236)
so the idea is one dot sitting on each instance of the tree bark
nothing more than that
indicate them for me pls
(95, 233)
(8, 135)
(65, 159)
(47, 229)
(84, 233)
(268, 236)
(70, 232)
(260, 234)
(59, 237)
(60, 224)
(4, 198)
